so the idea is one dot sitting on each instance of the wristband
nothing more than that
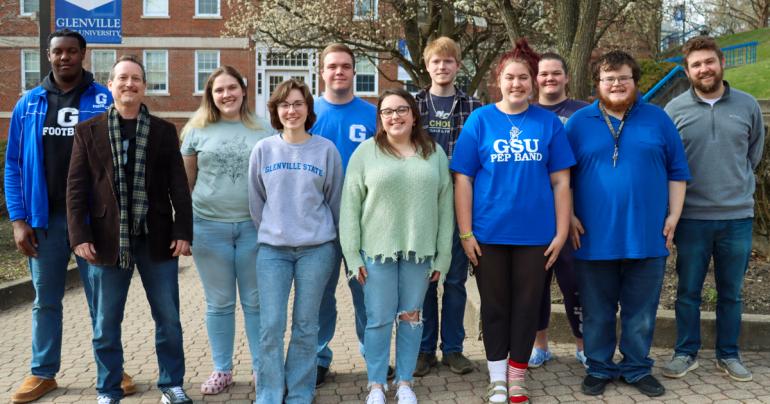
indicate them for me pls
(466, 235)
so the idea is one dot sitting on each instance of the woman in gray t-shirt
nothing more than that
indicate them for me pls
(215, 148)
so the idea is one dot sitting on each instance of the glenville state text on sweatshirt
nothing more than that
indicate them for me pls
(294, 191)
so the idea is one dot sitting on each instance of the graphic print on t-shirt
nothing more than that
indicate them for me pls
(223, 162)
(440, 119)
(515, 148)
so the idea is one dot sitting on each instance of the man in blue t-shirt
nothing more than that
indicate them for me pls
(444, 109)
(347, 121)
(628, 187)
(552, 80)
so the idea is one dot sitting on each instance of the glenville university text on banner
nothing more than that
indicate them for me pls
(99, 21)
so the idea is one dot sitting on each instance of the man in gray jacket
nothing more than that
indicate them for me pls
(723, 136)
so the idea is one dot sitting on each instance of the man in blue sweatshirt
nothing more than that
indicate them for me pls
(723, 136)
(37, 159)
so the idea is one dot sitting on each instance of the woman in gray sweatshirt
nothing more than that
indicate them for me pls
(295, 182)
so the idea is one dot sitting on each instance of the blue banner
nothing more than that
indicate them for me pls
(99, 21)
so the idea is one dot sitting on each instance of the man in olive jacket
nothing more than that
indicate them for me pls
(126, 175)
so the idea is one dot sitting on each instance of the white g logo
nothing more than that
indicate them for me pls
(67, 118)
(101, 99)
(357, 133)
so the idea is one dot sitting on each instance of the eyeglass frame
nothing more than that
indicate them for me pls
(388, 112)
(611, 80)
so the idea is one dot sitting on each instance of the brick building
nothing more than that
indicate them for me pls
(180, 43)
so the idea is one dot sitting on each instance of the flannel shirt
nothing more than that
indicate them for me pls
(465, 105)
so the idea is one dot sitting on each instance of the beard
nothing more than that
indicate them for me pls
(707, 89)
(621, 105)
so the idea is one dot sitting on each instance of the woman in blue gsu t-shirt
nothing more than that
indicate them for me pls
(513, 206)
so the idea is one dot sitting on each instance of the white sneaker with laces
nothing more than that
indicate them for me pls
(106, 400)
(376, 396)
(405, 395)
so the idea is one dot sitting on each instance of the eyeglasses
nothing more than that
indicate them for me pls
(612, 80)
(296, 105)
(400, 111)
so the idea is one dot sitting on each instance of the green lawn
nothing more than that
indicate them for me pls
(754, 78)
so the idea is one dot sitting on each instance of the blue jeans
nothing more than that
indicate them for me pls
(309, 269)
(328, 314)
(226, 256)
(729, 242)
(392, 288)
(49, 273)
(634, 284)
(161, 286)
(452, 306)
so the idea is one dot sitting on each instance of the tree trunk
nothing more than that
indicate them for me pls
(509, 20)
(567, 12)
(580, 54)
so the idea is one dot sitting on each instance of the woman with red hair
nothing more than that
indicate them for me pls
(512, 199)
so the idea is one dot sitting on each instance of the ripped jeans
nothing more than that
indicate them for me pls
(393, 288)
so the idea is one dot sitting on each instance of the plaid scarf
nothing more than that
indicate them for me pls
(139, 195)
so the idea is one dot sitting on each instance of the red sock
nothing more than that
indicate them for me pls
(516, 372)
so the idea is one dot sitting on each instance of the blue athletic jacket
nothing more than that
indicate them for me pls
(26, 194)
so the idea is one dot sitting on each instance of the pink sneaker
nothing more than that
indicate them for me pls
(217, 382)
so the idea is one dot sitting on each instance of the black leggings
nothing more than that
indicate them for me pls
(565, 276)
(510, 281)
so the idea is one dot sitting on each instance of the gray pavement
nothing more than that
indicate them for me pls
(556, 382)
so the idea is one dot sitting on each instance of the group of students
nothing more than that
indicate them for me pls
(405, 195)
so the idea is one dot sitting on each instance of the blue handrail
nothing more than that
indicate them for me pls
(735, 55)
(649, 94)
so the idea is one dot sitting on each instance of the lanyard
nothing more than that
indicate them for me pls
(615, 135)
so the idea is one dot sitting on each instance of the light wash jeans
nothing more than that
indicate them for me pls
(308, 268)
(49, 272)
(161, 286)
(393, 287)
(327, 315)
(225, 255)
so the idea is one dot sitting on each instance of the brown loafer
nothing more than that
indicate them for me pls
(32, 388)
(127, 385)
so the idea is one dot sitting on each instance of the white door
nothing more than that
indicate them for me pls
(276, 77)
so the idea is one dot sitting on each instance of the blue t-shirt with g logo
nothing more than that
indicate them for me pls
(346, 125)
(511, 158)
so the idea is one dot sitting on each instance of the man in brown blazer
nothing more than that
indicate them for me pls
(128, 203)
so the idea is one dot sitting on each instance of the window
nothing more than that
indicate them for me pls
(101, 64)
(411, 87)
(207, 8)
(364, 9)
(30, 69)
(205, 63)
(366, 76)
(155, 8)
(29, 7)
(156, 68)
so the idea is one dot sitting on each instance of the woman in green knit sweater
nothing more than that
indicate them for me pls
(396, 226)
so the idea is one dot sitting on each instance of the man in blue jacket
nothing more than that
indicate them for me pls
(40, 140)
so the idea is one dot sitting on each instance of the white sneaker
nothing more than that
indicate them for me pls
(106, 400)
(405, 395)
(376, 396)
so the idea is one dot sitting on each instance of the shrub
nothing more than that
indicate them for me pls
(652, 73)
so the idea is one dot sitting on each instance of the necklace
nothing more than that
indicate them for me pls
(515, 130)
(447, 114)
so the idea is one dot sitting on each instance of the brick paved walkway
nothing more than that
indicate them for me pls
(558, 381)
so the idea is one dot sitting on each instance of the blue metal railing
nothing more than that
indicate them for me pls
(660, 84)
(735, 55)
